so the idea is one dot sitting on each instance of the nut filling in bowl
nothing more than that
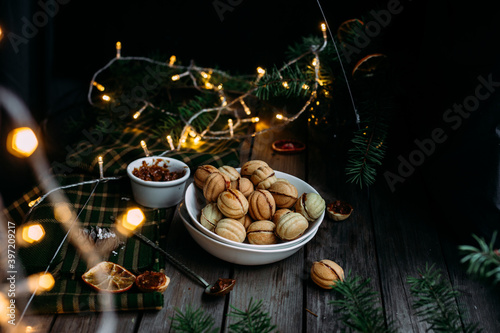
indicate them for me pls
(195, 202)
(158, 182)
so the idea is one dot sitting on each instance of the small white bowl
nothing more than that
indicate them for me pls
(156, 194)
(238, 255)
(195, 201)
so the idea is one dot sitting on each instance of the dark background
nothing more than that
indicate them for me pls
(437, 49)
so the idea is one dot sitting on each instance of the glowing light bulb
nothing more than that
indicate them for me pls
(34, 202)
(145, 147)
(279, 116)
(230, 124)
(101, 170)
(261, 71)
(136, 115)
(172, 60)
(323, 29)
(285, 84)
(22, 142)
(176, 77)
(305, 86)
(33, 233)
(106, 98)
(133, 219)
(197, 139)
(315, 62)
(99, 87)
(170, 142)
(208, 85)
(63, 212)
(205, 75)
(118, 49)
(255, 119)
(219, 86)
(46, 281)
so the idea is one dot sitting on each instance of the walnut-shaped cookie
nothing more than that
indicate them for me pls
(280, 212)
(261, 205)
(232, 173)
(284, 193)
(210, 216)
(232, 203)
(201, 174)
(262, 233)
(263, 177)
(325, 273)
(231, 229)
(310, 205)
(215, 184)
(291, 226)
(249, 167)
(244, 185)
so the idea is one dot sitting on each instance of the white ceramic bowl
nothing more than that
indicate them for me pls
(195, 201)
(237, 254)
(156, 194)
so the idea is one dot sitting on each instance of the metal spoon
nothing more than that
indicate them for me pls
(219, 288)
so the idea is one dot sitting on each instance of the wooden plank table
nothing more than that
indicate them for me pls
(388, 237)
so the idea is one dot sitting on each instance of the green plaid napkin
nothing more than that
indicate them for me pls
(98, 207)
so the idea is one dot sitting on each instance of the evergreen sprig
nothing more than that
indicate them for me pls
(251, 320)
(483, 261)
(435, 301)
(289, 82)
(358, 306)
(193, 321)
(367, 151)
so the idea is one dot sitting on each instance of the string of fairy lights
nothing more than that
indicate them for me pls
(22, 142)
(225, 106)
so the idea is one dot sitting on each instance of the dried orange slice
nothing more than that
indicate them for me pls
(349, 29)
(367, 66)
(109, 277)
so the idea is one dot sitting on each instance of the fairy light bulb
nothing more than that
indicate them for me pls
(99, 86)
(172, 60)
(133, 219)
(285, 84)
(170, 142)
(261, 71)
(32, 233)
(255, 119)
(197, 139)
(106, 98)
(101, 167)
(34, 202)
(305, 86)
(176, 77)
(118, 50)
(208, 85)
(231, 129)
(314, 62)
(323, 29)
(22, 142)
(46, 281)
(145, 147)
(205, 75)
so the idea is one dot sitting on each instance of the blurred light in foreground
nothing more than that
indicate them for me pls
(62, 212)
(130, 221)
(33, 233)
(40, 282)
(22, 142)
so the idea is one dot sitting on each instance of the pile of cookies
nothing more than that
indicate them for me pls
(254, 205)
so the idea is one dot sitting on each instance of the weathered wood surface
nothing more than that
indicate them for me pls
(388, 238)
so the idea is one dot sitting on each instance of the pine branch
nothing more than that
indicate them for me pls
(288, 82)
(484, 261)
(359, 308)
(193, 321)
(435, 301)
(367, 152)
(251, 320)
